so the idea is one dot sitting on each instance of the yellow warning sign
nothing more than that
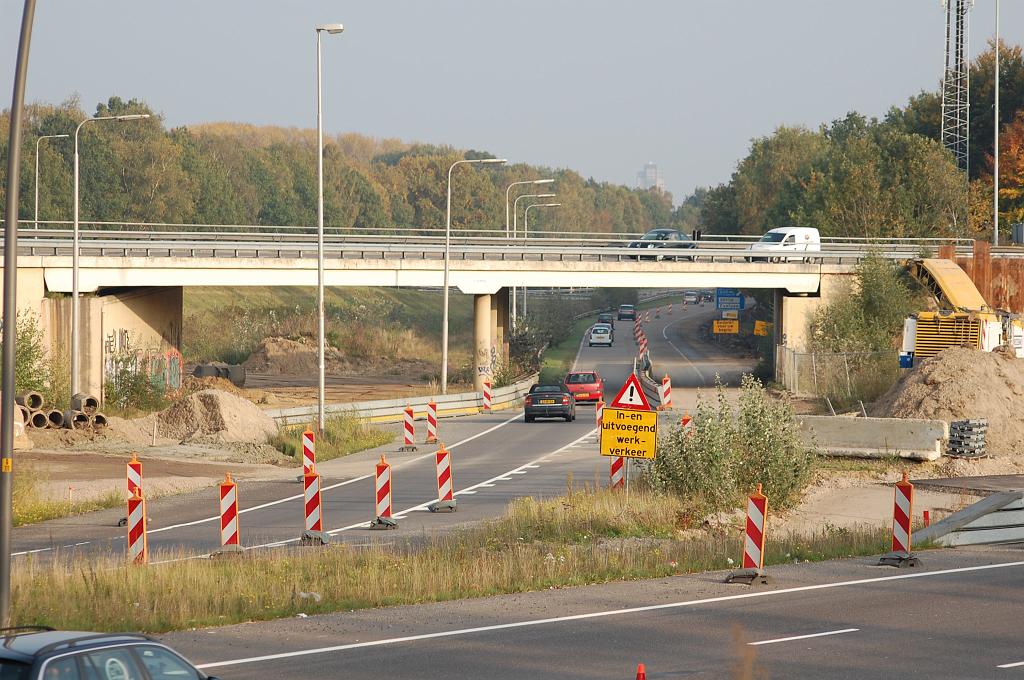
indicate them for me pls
(5, 464)
(629, 433)
(727, 326)
(760, 328)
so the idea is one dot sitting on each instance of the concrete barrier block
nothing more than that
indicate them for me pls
(914, 439)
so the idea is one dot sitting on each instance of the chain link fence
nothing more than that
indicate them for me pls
(843, 378)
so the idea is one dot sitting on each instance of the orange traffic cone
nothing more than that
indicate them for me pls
(641, 672)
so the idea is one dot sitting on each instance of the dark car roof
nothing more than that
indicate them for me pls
(26, 646)
(548, 388)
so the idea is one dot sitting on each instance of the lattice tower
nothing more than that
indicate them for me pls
(956, 104)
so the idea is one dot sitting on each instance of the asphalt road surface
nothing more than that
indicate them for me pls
(496, 458)
(958, 616)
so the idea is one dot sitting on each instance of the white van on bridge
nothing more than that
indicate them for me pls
(787, 240)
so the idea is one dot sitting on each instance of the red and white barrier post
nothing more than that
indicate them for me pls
(431, 422)
(382, 496)
(657, 312)
(313, 517)
(598, 413)
(670, 309)
(308, 452)
(445, 482)
(902, 515)
(138, 549)
(665, 393)
(133, 479)
(686, 423)
(618, 472)
(229, 539)
(647, 316)
(134, 475)
(409, 431)
(753, 541)
(487, 395)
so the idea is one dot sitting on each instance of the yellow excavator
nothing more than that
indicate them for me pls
(964, 318)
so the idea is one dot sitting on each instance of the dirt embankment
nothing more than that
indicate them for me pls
(962, 383)
(286, 357)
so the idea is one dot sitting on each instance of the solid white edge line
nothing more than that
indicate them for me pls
(606, 613)
(664, 334)
(1011, 665)
(804, 637)
(279, 500)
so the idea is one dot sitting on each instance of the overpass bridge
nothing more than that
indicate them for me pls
(138, 272)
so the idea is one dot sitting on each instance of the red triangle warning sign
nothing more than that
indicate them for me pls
(631, 396)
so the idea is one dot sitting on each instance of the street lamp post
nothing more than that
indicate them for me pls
(515, 210)
(447, 253)
(995, 173)
(526, 231)
(321, 337)
(35, 218)
(508, 193)
(74, 249)
(515, 234)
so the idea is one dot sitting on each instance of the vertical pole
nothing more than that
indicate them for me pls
(74, 280)
(10, 310)
(995, 173)
(444, 313)
(35, 211)
(321, 380)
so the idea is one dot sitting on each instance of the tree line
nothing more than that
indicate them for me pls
(236, 174)
(867, 177)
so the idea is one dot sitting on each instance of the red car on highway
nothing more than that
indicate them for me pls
(585, 385)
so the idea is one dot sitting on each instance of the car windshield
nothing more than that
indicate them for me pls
(657, 236)
(580, 378)
(601, 328)
(546, 388)
(626, 308)
(773, 237)
(604, 317)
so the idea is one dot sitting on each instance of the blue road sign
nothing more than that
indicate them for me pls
(727, 292)
(730, 302)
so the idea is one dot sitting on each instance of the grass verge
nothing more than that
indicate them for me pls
(30, 506)
(579, 539)
(343, 434)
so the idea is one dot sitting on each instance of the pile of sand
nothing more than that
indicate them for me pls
(215, 415)
(281, 356)
(963, 383)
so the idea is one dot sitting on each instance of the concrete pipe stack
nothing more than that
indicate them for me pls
(33, 409)
(84, 413)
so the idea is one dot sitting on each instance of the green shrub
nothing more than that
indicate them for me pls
(344, 433)
(730, 451)
(128, 388)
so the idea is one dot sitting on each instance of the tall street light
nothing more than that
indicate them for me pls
(35, 220)
(526, 231)
(447, 253)
(320, 338)
(515, 233)
(508, 193)
(995, 173)
(74, 249)
(515, 210)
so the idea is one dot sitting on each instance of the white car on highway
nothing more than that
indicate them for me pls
(600, 334)
(777, 243)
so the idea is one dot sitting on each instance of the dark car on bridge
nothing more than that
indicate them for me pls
(41, 653)
(667, 243)
(549, 401)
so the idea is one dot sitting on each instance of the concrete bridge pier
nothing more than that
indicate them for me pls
(490, 329)
(483, 364)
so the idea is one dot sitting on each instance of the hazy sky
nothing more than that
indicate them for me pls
(594, 85)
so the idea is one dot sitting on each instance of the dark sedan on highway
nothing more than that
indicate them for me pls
(550, 401)
(667, 243)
